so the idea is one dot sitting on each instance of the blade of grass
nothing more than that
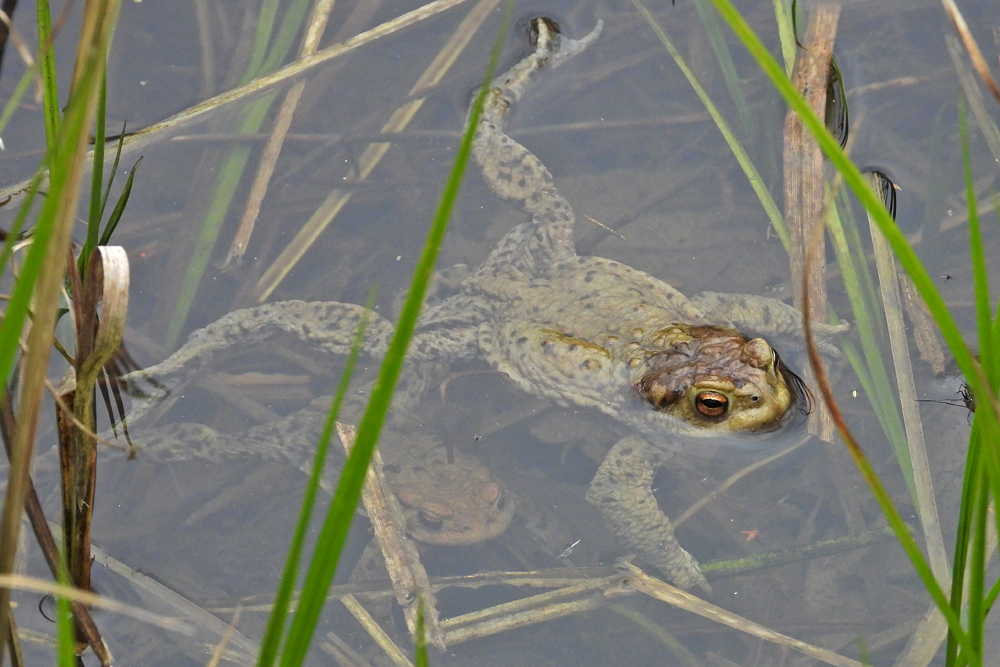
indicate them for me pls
(116, 214)
(19, 220)
(713, 30)
(786, 33)
(279, 613)
(970, 537)
(334, 530)
(96, 181)
(980, 278)
(64, 630)
(47, 69)
(420, 650)
(870, 327)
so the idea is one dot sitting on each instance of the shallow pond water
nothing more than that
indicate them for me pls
(631, 147)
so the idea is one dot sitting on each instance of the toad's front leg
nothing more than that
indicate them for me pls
(622, 491)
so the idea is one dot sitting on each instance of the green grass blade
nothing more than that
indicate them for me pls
(226, 184)
(995, 332)
(114, 171)
(47, 69)
(116, 214)
(265, 24)
(21, 217)
(291, 24)
(756, 182)
(980, 279)
(64, 627)
(713, 30)
(970, 484)
(96, 181)
(341, 510)
(279, 611)
(870, 325)
(786, 34)
(420, 648)
(14, 102)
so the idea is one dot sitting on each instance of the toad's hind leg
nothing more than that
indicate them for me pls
(622, 492)
(329, 326)
(514, 173)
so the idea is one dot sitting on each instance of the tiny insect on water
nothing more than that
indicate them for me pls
(964, 396)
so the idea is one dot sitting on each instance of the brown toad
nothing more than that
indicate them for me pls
(581, 331)
(445, 503)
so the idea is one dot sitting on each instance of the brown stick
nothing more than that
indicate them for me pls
(803, 172)
(47, 542)
(409, 578)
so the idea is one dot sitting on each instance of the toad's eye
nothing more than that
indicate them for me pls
(430, 521)
(711, 403)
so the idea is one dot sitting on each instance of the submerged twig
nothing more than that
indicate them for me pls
(310, 42)
(362, 616)
(978, 61)
(409, 579)
(660, 590)
(374, 153)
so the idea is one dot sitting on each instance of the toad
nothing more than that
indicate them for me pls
(580, 331)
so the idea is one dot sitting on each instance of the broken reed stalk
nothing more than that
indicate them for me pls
(98, 337)
(409, 578)
(803, 174)
(660, 590)
(46, 540)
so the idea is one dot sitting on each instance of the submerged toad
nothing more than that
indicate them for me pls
(581, 331)
(444, 503)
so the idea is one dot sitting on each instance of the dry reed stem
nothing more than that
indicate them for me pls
(373, 153)
(375, 630)
(929, 522)
(659, 590)
(970, 45)
(181, 606)
(409, 578)
(976, 101)
(318, 17)
(522, 619)
(220, 649)
(342, 653)
(803, 174)
(532, 601)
